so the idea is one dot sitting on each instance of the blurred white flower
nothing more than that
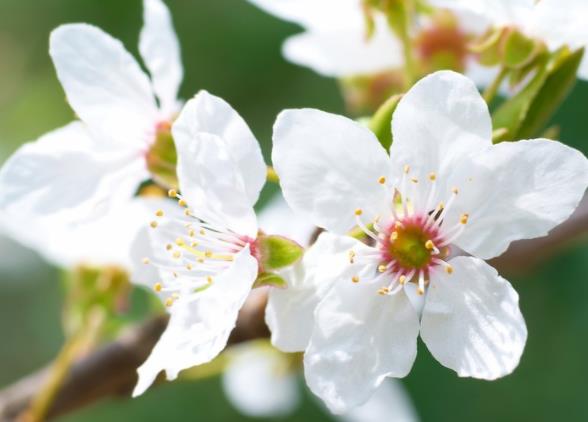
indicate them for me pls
(555, 22)
(261, 382)
(205, 258)
(444, 184)
(334, 42)
(62, 236)
(99, 162)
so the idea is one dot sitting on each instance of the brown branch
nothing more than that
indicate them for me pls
(111, 371)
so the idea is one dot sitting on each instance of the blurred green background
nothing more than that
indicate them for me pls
(233, 50)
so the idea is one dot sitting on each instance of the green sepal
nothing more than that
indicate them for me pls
(525, 114)
(381, 122)
(277, 252)
(519, 50)
(270, 279)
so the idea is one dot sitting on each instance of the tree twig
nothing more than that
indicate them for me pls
(111, 370)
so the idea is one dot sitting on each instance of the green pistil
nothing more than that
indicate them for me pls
(408, 247)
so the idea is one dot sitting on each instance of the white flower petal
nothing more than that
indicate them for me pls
(360, 338)
(324, 14)
(207, 113)
(61, 170)
(472, 323)
(259, 382)
(105, 85)
(390, 403)
(329, 166)
(517, 190)
(441, 120)
(105, 240)
(561, 24)
(290, 312)
(346, 51)
(213, 184)
(160, 49)
(200, 326)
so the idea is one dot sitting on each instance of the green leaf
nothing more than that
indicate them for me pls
(278, 252)
(381, 122)
(554, 91)
(525, 114)
(270, 279)
(519, 50)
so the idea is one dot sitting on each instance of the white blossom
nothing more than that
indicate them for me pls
(98, 163)
(202, 259)
(443, 188)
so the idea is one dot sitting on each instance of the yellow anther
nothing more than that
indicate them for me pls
(429, 245)
(455, 190)
(172, 193)
(402, 279)
(175, 274)
(358, 211)
(157, 287)
(351, 257)
(182, 203)
(414, 180)
(355, 279)
(201, 260)
(191, 232)
(153, 224)
(208, 254)
(406, 169)
(393, 236)
(168, 247)
(189, 267)
(180, 242)
(449, 269)
(193, 244)
(464, 218)
(177, 254)
(432, 177)
(169, 301)
(382, 180)
(382, 268)
(420, 291)
(441, 205)
(146, 261)
(209, 279)
(159, 213)
(398, 225)
(187, 212)
(383, 291)
(202, 232)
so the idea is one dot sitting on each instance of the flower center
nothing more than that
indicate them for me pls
(191, 252)
(162, 156)
(408, 244)
(413, 240)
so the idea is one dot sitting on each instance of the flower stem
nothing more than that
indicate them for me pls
(71, 350)
(272, 176)
(492, 89)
